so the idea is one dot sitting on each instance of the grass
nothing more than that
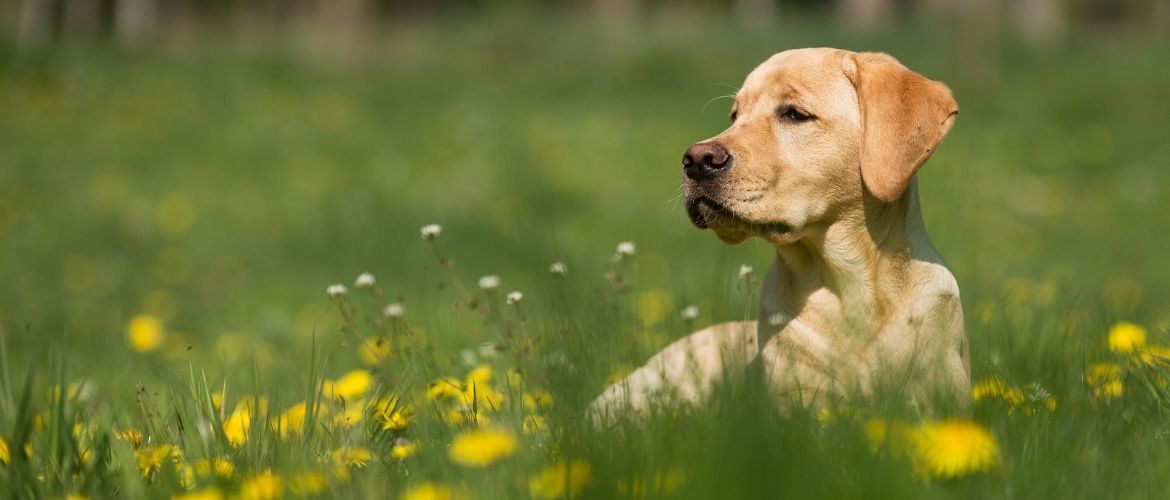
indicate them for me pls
(219, 188)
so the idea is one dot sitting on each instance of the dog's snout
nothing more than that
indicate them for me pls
(705, 160)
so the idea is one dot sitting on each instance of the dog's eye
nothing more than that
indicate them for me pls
(790, 113)
(733, 116)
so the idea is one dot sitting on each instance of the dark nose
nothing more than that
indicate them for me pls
(705, 160)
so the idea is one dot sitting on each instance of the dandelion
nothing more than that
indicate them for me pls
(534, 424)
(374, 350)
(624, 249)
(5, 455)
(1104, 379)
(151, 458)
(403, 449)
(352, 456)
(514, 297)
(665, 483)
(746, 272)
(558, 269)
(489, 282)
(395, 416)
(560, 480)
(689, 312)
(1155, 355)
(292, 421)
(538, 400)
(394, 310)
(481, 448)
(336, 291)
(365, 280)
(1127, 338)
(222, 467)
(350, 386)
(236, 426)
(133, 436)
(994, 387)
(953, 448)
(429, 491)
(431, 231)
(263, 486)
(307, 483)
(145, 333)
(211, 493)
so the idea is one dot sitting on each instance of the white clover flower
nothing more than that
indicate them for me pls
(558, 268)
(489, 282)
(776, 319)
(394, 310)
(625, 248)
(745, 272)
(365, 280)
(514, 297)
(431, 231)
(335, 291)
(488, 350)
(689, 312)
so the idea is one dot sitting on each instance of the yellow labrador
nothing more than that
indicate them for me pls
(819, 160)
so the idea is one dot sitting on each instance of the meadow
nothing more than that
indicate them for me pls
(171, 218)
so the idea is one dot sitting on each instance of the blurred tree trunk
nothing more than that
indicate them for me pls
(1041, 22)
(82, 17)
(35, 21)
(135, 20)
(865, 15)
(755, 12)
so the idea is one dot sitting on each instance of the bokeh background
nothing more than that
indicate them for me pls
(217, 164)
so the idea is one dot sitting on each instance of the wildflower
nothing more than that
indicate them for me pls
(445, 388)
(1127, 338)
(222, 467)
(374, 350)
(953, 448)
(560, 480)
(689, 312)
(624, 249)
(489, 282)
(350, 386)
(395, 416)
(403, 449)
(352, 456)
(776, 319)
(488, 350)
(1155, 355)
(894, 434)
(477, 388)
(1105, 380)
(534, 424)
(263, 486)
(746, 272)
(429, 491)
(236, 426)
(514, 297)
(307, 483)
(335, 291)
(5, 455)
(211, 493)
(469, 358)
(481, 448)
(292, 421)
(134, 436)
(145, 333)
(431, 231)
(994, 387)
(665, 483)
(394, 310)
(537, 400)
(350, 415)
(558, 269)
(365, 280)
(151, 458)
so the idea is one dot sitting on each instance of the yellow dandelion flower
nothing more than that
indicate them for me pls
(445, 389)
(481, 448)
(404, 449)
(263, 486)
(151, 458)
(307, 483)
(203, 494)
(221, 467)
(538, 400)
(374, 350)
(429, 491)
(1156, 355)
(133, 436)
(953, 448)
(236, 426)
(349, 416)
(1127, 338)
(560, 480)
(352, 385)
(534, 424)
(395, 416)
(478, 389)
(292, 422)
(664, 483)
(994, 387)
(1104, 379)
(888, 433)
(5, 455)
(145, 333)
(352, 456)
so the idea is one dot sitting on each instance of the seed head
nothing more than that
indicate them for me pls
(365, 280)
(689, 312)
(558, 269)
(335, 291)
(489, 282)
(625, 249)
(746, 272)
(431, 231)
(514, 297)
(394, 310)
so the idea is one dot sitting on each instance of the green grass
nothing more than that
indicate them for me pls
(222, 187)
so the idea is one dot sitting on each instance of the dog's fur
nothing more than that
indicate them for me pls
(858, 299)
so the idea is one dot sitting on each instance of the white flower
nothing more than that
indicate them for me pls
(489, 282)
(558, 268)
(335, 291)
(468, 357)
(365, 280)
(745, 272)
(776, 319)
(514, 297)
(431, 231)
(488, 350)
(690, 312)
(625, 248)
(394, 310)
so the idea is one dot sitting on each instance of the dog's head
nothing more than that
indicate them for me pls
(813, 132)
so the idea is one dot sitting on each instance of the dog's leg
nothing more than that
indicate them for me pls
(684, 371)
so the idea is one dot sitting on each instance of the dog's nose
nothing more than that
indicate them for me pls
(705, 160)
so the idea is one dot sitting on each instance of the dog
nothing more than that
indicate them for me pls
(820, 161)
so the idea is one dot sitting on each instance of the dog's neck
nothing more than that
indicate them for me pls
(842, 277)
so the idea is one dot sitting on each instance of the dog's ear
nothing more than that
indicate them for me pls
(904, 116)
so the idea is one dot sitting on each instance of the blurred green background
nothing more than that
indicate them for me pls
(218, 164)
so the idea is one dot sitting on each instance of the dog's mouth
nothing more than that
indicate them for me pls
(705, 212)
